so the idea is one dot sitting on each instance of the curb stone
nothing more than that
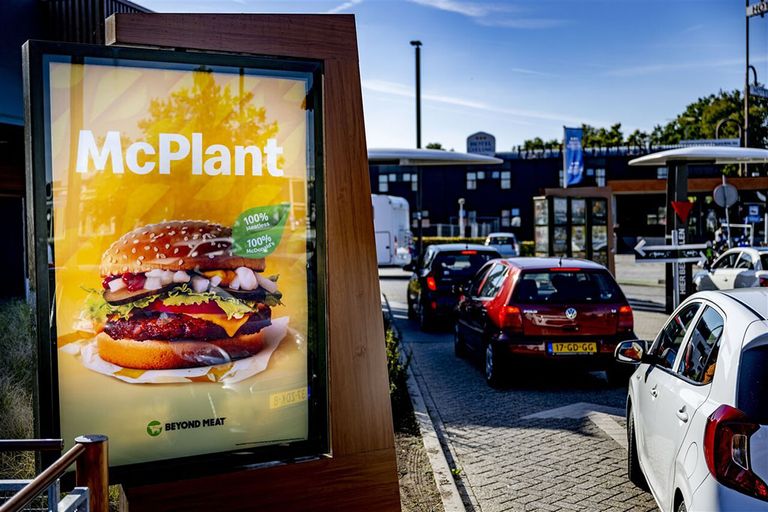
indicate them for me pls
(441, 470)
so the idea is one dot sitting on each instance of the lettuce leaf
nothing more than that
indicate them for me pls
(98, 309)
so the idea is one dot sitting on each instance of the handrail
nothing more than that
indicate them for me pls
(37, 445)
(90, 454)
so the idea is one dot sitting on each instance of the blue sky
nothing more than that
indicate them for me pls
(524, 68)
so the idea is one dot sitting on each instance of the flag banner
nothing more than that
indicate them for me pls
(573, 156)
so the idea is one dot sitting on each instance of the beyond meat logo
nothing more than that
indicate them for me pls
(155, 428)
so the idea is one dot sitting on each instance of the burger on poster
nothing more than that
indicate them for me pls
(175, 296)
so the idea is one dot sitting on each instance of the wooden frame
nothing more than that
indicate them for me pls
(361, 471)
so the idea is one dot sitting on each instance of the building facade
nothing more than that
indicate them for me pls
(500, 197)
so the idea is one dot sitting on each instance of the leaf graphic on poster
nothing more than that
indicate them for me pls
(258, 231)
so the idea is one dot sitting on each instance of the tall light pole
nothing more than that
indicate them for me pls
(417, 45)
(419, 209)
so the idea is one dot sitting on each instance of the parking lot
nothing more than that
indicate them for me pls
(546, 441)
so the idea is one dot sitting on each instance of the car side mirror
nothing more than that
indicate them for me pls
(409, 267)
(631, 352)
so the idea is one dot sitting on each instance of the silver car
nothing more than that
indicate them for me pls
(505, 243)
(741, 267)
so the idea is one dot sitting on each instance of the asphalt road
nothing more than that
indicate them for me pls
(548, 441)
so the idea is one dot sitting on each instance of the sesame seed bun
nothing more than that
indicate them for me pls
(164, 355)
(175, 245)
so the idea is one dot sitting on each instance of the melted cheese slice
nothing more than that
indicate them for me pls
(230, 325)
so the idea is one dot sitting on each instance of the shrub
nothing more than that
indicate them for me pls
(17, 374)
(526, 248)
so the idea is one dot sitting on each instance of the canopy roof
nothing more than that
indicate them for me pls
(705, 155)
(423, 157)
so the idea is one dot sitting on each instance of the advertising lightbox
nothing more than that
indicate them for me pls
(176, 226)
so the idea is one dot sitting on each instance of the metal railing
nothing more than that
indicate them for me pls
(91, 492)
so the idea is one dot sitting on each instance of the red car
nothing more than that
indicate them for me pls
(543, 309)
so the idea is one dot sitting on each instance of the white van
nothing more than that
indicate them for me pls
(391, 222)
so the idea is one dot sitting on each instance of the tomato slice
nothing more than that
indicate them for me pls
(209, 307)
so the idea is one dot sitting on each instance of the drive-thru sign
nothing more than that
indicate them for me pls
(679, 283)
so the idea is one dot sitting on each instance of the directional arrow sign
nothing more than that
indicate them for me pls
(687, 253)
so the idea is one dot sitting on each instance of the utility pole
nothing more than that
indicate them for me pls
(419, 183)
(417, 45)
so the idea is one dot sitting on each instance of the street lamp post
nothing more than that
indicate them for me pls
(419, 209)
(417, 45)
(461, 217)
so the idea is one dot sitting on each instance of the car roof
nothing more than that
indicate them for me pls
(501, 233)
(461, 247)
(758, 249)
(755, 299)
(528, 263)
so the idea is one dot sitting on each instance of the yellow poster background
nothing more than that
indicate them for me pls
(93, 209)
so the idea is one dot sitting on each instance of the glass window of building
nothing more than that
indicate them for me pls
(383, 183)
(600, 177)
(661, 173)
(481, 175)
(471, 181)
(505, 218)
(414, 185)
(393, 177)
(495, 175)
(406, 177)
(506, 179)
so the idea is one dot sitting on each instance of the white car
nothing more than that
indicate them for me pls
(741, 267)
(697, 406)
(505, 243)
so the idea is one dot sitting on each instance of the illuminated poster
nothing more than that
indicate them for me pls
(182, 245)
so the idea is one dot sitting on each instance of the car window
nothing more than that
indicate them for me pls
(567, 287)
(753, 384)
(726, 261)
(745, 262)
(764, 261)
(494, 281)
(477, 281)
(460, 263)
(668, 341)
(501, 240)
(700, 355)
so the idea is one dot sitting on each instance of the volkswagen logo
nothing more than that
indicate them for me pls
(570, 313)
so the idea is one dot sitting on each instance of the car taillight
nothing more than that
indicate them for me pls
(626, 322)
(511, 318)
(431, 283)
(726, 451)
(763, 280)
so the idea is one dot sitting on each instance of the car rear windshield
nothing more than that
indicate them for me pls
(501, 240)
(463, 263)
(753, 384)
(566, 287)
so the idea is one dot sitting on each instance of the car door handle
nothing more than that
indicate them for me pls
(654, 392)
(682, 414)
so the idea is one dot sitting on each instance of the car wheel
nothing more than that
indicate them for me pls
(459, 348)
(493, 366)
(634, 472)
(411, 311)
(425, 319)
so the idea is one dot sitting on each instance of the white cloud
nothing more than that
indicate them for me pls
(343, 7)
(491, 14)
(398, 89)
(651, 69)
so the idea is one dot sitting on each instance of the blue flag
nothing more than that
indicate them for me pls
(573, 157)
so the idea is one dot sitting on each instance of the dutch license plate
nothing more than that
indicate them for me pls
(574, 347)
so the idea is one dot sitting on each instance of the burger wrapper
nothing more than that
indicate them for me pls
(229, 373)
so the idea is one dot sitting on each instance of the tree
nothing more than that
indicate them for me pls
(435, 145)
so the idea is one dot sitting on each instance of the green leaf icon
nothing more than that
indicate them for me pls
(258, 231)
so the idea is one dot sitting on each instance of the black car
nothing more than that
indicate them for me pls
(432, 288)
